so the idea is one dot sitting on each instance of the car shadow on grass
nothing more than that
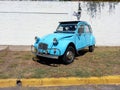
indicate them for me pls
(48, 61)
(82, 52)
(56, 62)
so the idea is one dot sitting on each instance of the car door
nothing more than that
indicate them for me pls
(80, 39)
(87, 34)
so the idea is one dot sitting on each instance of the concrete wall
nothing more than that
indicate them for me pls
(21, 21)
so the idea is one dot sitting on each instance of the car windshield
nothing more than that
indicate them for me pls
(66, 28)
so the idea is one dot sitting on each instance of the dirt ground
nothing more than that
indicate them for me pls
(20, 64)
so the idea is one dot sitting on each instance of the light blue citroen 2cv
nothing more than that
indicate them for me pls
(69, 38)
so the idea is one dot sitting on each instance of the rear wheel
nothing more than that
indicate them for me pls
(91, 48)
(69, 55)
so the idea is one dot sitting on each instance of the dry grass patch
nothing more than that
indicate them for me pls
(103, 61)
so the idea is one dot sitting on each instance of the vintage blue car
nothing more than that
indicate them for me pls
(65, 42)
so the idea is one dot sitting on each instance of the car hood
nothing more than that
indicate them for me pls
(58, 36)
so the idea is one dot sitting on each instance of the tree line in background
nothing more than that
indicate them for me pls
(96, 7)
(93, 6)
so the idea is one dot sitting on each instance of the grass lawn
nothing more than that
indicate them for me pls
(102, 62)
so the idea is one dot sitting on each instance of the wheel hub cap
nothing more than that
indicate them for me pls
(70, 55)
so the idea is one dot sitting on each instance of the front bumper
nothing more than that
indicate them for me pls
(44, 53)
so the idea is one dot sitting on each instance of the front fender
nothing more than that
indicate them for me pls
(62, 46)
(35, 45)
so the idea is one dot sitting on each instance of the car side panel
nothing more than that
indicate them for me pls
(92, 40)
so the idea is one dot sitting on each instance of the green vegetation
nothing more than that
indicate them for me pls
(102, 62)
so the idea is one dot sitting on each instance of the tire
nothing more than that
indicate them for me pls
(91, 48)
(69, 55)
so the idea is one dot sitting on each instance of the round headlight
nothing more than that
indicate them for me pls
(55, 42)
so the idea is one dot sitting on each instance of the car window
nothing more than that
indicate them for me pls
(90, 29)
(87, 29)
(81, 29)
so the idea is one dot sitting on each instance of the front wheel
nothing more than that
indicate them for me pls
(69, 55)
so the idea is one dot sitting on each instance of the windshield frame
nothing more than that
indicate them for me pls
(67, 25)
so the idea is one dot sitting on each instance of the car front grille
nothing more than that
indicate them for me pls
(43, 46)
